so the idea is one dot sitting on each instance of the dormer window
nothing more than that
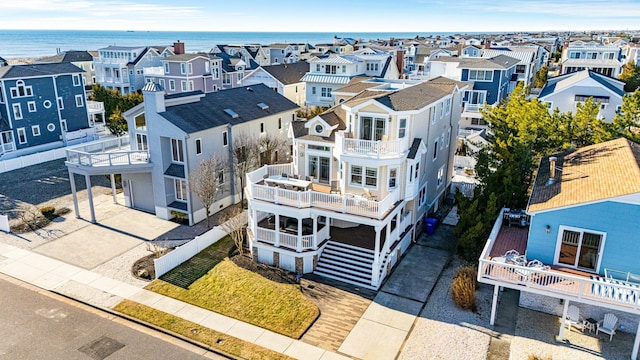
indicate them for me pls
(319, 129)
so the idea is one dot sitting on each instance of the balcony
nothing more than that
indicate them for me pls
(379, 149)
(557, 281)
(288, 236)
(107, 157)
(95, 107)
(472, 110)
(316, 196)
(155, 71)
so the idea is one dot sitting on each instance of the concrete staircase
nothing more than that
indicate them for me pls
(347, 263)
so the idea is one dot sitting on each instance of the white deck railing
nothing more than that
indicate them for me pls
(105, 153)
(373, 148)
(291, 241)
(95, 107)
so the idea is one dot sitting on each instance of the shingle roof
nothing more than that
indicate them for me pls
(563, 81)
(413, 150)
(417, 96)
(175, 170)
(356, 85)
(209, 112)
(32, 70)
(185, 57)
(497, 62)
(288, 73)
(69, 56)
(592, 173)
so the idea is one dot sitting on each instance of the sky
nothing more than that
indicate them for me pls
(321, 16)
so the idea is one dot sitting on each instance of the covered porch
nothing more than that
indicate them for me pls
(497, 267)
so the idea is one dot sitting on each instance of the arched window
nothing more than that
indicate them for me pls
(21, 90)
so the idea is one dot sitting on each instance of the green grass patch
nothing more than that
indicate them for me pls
(217, 284)
(216, 340)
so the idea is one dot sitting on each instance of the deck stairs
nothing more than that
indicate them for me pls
(347, 263)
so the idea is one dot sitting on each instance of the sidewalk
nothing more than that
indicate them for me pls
(55, 275)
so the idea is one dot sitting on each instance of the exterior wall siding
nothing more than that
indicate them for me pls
(618, 220)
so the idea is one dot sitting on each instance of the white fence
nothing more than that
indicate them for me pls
(185, 252)
(32, 159)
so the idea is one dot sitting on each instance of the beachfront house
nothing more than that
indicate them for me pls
(577, 239)
(169, 135)
(372, 166)
(42, 106)
(566, 91)
(81, 59)
(183, 73)
(603, 59)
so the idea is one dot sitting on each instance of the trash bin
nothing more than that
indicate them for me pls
(430, 225)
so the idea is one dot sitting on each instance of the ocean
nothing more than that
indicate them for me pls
(37, 43)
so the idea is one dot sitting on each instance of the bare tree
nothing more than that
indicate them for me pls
(270, 148)
(205, 182)
(245, 158)
(235, 226)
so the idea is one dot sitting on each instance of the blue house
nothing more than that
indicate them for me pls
(493, 78)
(42, 106)
(577, 240)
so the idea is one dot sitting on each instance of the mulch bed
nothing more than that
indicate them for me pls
(269, 272)
(143, 268)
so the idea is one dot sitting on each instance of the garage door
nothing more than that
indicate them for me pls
(142, 196)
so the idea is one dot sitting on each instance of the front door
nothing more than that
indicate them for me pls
(320, 168)
(580, 249)
(372, 128)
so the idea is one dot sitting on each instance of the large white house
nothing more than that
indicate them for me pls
(364, 175)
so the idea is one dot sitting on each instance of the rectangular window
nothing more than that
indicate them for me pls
(579, 248)
(198, 146)
(60, 104)
(79, 101)
(433, 116)
(161, 82)
(1, 95)
(435, 150)
(279, 123)
(480, 75)
(225, 138)
(574, 55)
(317, 67)
(142, 143)
(402, 128)
(17, 111)
(417, 171)
(220, 177)
(22, 136)
(140, 122)
(32, 106)
(21, 90)
(183, 68)
(356, 175)
(181, 189)
(226, 79)
(183, 85)
(172, 85)
(190, 85)
(313, 90)
(393, 176)
(592, 55)
(166, 68)
(63, 125)
(76, 80)
(261, 127)
(190, 68)
(440, 177)
(447, 105)
(447, 140)
(609, 56)
(371, 177)
(326, 92)
(176, 150)
(35, 130)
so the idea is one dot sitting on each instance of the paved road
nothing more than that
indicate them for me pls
(37, 325)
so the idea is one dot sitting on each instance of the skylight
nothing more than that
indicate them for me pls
(263, 106)
(231, 113)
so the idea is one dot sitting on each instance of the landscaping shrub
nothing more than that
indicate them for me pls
(48, 212)
(463, 288)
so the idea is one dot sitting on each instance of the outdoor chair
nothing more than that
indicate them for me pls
(608, 325)
(294, 177)
(285, 175)
(573, 318)
(367, 195)
(307, 178)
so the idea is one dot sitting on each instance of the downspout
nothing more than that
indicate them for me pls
(232, 180)
(186, 178)
(55, 92)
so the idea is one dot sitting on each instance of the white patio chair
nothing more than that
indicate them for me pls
(574, 319)
(608, 325)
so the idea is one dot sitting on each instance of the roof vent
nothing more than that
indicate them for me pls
(231, 113)
(263, 106)
(552, 170)
(249, 89)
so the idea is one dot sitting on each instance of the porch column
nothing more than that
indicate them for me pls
(375, 268)
(87, 180)
(315, 231)
(494, 304)
(73, 193)
(113, 188)
(636, 344)
(299, 239)
(387, 239)
(254, 223)
(277, 227)
(564, 317)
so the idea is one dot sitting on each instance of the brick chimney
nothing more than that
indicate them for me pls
(460, 47)
(487, 44)
(391, 41)
(178, 47)
(400, 61)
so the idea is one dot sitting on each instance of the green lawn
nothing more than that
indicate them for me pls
(238, 293)
(216, 340)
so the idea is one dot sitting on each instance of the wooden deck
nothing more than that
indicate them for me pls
(510, 238)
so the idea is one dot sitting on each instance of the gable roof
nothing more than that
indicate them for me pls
(69, 56)
(561, 82)
(356, 85)
(33, 70)
(592, 173)
(288, 73)
(209, 112)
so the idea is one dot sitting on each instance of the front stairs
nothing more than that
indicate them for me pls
(347, 263)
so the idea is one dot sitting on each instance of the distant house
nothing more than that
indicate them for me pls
(603, 59)
(330, 72)
(565, 92)
(3, 62)
(42, 106)
(186, 73)
(286, 79)
(81, 59)
(170, 134)
(122, 67)
(583, 223)
(530, 60)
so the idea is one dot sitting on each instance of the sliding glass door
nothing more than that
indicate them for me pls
(579, 248)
